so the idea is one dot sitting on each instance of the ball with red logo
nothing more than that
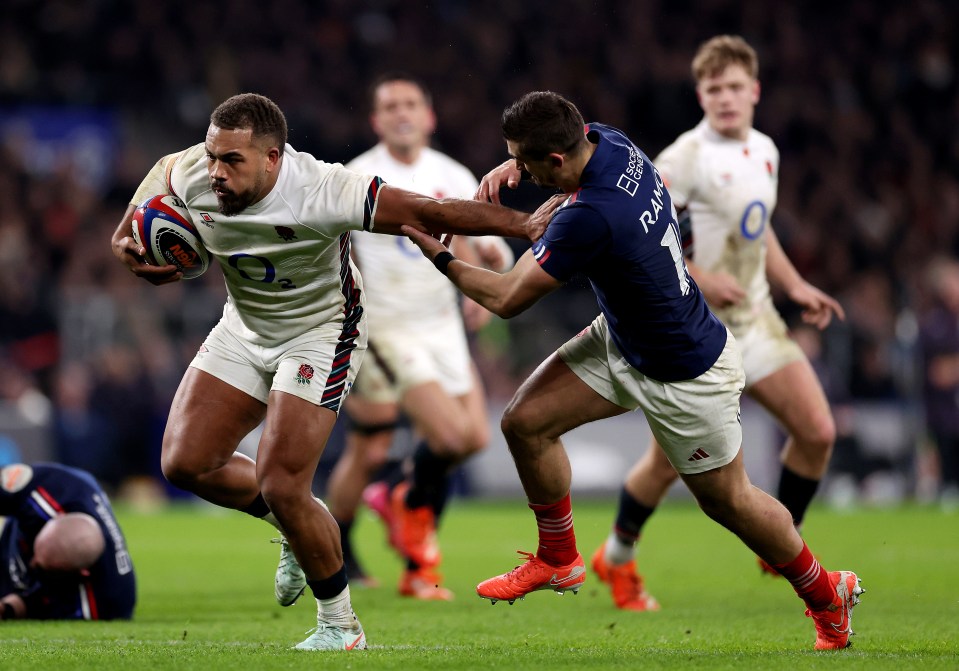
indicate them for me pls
(163, 226)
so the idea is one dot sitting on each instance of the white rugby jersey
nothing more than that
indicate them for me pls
(286, 258)
(402, 284)
(730, 188)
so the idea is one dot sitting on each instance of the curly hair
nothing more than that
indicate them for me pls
(253, 111)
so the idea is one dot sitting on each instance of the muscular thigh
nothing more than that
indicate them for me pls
(294, 436)
(556, 399)
(208, 419)
(794, 396)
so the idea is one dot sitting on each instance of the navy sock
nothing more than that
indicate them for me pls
(796, 492)
(429, 485)
(257, 508)
(327, 588)
(630, 517)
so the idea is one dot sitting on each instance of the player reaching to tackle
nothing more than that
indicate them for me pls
(655, 346)
(726, 174)
(293, 329)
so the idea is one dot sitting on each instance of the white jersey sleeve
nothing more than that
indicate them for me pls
(678, 166)
(404, 290)
(286, 258)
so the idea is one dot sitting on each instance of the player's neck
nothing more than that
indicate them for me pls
(407, 155)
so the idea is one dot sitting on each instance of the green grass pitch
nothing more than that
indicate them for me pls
(206, 599)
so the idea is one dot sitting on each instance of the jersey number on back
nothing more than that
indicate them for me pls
(671, 241)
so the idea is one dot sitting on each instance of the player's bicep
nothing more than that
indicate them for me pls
(395, 208)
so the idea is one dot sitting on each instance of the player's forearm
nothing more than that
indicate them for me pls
(780, 271)
(471, 217)
(396, 208)
(487, 288)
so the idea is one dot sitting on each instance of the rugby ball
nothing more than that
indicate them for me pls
(163, 227)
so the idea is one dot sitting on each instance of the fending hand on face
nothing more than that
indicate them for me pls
(505, 174)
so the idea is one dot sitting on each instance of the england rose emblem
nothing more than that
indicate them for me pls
(305, 374)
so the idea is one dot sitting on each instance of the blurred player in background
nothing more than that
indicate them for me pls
(939, 344)
(62, 554)
(655, 346)
(293, 330)
(418, 358)
(725, 173)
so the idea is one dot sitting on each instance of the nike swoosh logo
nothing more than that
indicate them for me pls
(573, 576)
(353, 644)
(844, 626)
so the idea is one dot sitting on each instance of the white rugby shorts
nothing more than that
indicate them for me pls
(319, 366)
(399, 359)
(766, 346)
(696, 421)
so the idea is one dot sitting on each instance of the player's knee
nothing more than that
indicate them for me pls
(520, 423)
(178, 471)
(818, 435)
(282, 493)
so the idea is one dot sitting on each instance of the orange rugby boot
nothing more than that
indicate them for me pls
(532, 575)
(415, 529)
(834, 622)
(624, 582)
(424, 584)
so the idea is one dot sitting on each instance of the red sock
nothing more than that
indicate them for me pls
(809, 579)
(557, 542)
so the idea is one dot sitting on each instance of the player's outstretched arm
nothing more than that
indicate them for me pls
(505, 295)
(397, 207)
(129, 253)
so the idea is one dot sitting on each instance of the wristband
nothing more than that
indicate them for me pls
(442, 261)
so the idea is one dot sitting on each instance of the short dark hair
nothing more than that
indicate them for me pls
(542, 123)
(398, 76)
(253, 111)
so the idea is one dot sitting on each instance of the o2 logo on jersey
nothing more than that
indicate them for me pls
(754, 220)
(258, 269)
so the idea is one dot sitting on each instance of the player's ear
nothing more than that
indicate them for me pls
(273, 155)
(757, 89)
(557, 160)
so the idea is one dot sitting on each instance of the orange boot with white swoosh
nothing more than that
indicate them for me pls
(834, 622)
(532, 575)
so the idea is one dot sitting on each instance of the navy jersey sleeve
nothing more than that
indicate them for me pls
(576, 235)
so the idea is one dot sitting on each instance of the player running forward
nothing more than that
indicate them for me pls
(654, 346)
(293, 329)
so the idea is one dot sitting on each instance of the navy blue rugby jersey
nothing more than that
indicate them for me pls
(30, 496)
(620, 230)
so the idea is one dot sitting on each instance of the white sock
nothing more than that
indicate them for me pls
(269, 518)
(617, 552)
(337, 611)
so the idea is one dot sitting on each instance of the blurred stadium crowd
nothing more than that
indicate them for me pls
(861, 97)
